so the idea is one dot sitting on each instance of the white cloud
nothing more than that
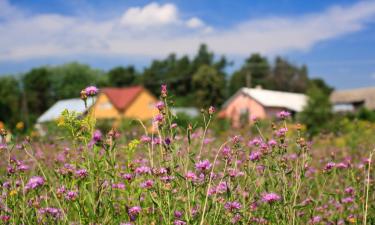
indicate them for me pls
(157, 30)
(194, 23)
(152, 14)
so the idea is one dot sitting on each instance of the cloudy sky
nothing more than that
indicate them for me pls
(336, 39)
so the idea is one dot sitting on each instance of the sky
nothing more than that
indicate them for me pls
(334, 38)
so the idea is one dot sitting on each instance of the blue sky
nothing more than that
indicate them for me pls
(335, 39)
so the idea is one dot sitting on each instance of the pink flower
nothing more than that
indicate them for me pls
(145, 139)
(91, 90)
(190, 176)
(272, 143)
(203, 165)
(81, 173)
(270, 197)
(160, 105)
(71, 195)
(164, 90)
(255, 155)
(329, 166)
(143, 170)
(118, 186)
(349, 190)
(232, 206)
(34, 182)
(147, 184)
(97, 136)
(135, 210)
(283, 114)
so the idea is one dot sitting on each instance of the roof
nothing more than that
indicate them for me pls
(121, 98)
(269, 98)
(54, 112)
(365, 95)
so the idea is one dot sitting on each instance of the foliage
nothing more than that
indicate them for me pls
(122, 76)
(10, 100)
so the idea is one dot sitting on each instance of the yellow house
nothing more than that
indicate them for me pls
(130, 102)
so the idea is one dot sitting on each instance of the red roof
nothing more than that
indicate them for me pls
(121, 98)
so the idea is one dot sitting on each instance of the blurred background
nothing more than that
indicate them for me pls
(205, 51)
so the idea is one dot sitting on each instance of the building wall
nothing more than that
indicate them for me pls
(143, 107)
(240, 104)
(103, 108)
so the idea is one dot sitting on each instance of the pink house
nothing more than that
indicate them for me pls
(248, 103)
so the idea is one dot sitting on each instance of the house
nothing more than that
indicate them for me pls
(248, 103)
(54, 112)
(111, 103)
(354, 99)
(131, 102)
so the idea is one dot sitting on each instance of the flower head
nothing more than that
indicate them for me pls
(283, 114)
(270, 197)
(97, 137)
(203, 165)
(232, 206)
(91, 91)
(34, 182)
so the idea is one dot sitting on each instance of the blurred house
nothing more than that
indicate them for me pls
(111, 103)
(189, 111)
(259, 103)
(130, 102)
(354, 99)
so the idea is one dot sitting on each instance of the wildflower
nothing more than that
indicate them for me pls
(160, 105)
(315, 220)
(118, 186)
(167, 141)
(179, 222)
(143, 170)
(226, 152)
(255, 155)
(236, 218)
(235, 173)
(51, 212)
(97, 137)
(145, 139)
(159, 118)
(23, 167)
(203, 165)
(127, 176)
(232, 206)
(173, 125)
(5, 218)
(164, 90)
(283, 115)
(147, 184)
(329, 166)
(135, 210)
(349, 190)
(34, 182)
(91, 91)
(190, 176)
(60, 191)
(281, 132)
(178, 214)
(81, 173)
(270, 197)
(211, 110)
(272, 143)
(347, 200)
(255, 142)
(222, 187)
(71, 195)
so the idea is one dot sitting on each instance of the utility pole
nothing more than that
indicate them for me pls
(248, 79)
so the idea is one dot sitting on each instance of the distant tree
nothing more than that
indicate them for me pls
(255, 71)
(10, 100)
(317, 113)
(322, 85)
(122, 76)
(288, 77)
(209, 86)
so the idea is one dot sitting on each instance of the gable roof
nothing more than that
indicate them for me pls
(365, 95)
(270, 98)
(121, 98)
(54, 112)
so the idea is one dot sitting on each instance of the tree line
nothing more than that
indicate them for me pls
(200, 81)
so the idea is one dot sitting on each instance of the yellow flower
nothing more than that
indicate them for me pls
(20, 125)
(12, 192)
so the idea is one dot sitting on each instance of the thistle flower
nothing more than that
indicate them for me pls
(71, 195)
(178, 214)
(164, 90)
(160, 105)
(34, 182)
(232, 206)
(349, 190)
(190, 176)
(270, 197)
(51, 212)
(211, 110)
(203, 165)
(255, 155)
(145, 139)
(91, 90)
(283, 115)
(97, 137)
(179, 222)
(118, 186)
(81, 173)
(143, 170)
(135, 210)
(272, 143)
(329, 166)
(147, 184)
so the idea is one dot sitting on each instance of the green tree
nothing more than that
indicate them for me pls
(209, 86)
(10, 100)
(255, 71)
(122, 76)
(317, 114)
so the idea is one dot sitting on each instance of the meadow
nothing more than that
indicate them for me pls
(175, 174)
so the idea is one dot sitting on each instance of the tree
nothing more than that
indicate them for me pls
(317, 113)
(209, 86)
(288, 77)
(255, 71)
(122, 76)
(10, 100)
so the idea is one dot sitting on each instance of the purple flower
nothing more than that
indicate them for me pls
(203, 165)
(160, 105)
(143, 170)
(255, 155)
(222, 187)
(270, 197)
(349, 190)
(226, 152)
(232, 206)
(97, 136)
(179, 222)
(34, 182)
(127, 176)
(118, 186)
(71, 195)
(145, 139)
(272, 143)
(164, 90)
(329, 166)
(81, 173)
(178, 214)
(147, 184)
(315, 220)
(211, 110)
(190, 176)
(159, 118)
(255, 142)
(91, 90)
(281, 132)
(23, 167)
(51, 212)
(283, 114)
(135, 210)
(347, 200)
